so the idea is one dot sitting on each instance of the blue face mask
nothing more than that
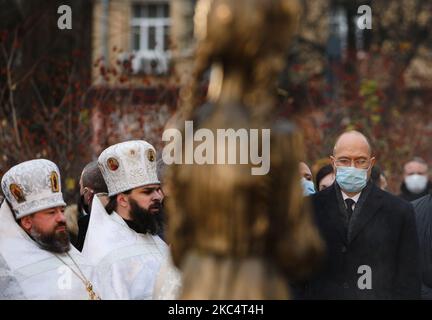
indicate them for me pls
(308, 187)
(351, 179)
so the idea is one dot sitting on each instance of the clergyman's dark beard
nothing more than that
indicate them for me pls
(146, 221)
(57, 242)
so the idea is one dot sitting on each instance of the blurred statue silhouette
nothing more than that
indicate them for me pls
(236, 235)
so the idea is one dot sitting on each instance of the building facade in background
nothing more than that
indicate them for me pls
(132, 71)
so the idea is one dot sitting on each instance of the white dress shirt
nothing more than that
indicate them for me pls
(355, 198)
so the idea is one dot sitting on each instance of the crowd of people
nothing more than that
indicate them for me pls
(111, 245)
(378, 244)
(415, 183)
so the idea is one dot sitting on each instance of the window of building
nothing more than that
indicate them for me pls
(150, 36)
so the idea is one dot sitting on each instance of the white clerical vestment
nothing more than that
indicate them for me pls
(125, 260)
(41, 274)
(9, 286)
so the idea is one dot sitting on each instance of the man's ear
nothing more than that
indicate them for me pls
(373, 161)
(332, 159)
(122, 200)
(88, 193)
(26, 223)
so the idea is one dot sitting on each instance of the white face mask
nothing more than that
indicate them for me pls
(416, 183)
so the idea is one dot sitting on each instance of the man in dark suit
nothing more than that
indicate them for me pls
(372, 245)
(423, 210)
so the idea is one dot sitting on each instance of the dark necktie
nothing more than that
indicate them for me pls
(349, 203)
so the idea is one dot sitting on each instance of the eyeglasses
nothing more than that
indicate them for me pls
(358, 163)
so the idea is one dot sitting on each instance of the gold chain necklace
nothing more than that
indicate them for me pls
(82, 277)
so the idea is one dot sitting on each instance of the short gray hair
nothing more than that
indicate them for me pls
(419, 160)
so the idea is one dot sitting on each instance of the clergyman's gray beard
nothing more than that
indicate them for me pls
(57, 243)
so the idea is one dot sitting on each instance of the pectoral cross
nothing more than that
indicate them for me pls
(91, 293)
